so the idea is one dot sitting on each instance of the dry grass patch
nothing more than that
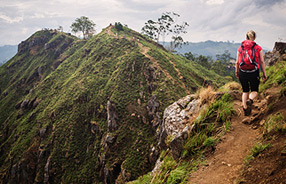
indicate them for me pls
(232, 86)
(207, 95)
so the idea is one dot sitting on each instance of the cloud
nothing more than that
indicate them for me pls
(219, 20)
(214, 2)
(268, 3)
(10, 20)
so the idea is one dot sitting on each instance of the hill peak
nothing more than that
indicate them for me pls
(85, 111)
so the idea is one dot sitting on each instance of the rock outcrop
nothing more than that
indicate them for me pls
(278, 51)
(179, 114)
(111, 116)
(26, 45)
(177, 123)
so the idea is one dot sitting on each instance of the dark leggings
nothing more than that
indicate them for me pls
(247, 79)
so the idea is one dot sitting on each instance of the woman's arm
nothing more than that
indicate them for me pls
(236, 65)
(262, 65)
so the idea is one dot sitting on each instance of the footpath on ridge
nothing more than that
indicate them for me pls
(144, 51)
(224, 166)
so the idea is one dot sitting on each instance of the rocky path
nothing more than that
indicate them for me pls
(224, 166)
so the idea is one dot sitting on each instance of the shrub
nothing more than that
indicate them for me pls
(118, 26)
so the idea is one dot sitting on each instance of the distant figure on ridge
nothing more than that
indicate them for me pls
(247, 69)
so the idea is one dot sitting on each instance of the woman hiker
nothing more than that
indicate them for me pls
(247, 70)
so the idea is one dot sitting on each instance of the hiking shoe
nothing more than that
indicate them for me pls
(249, 106)
(247, 111)
(249, 102)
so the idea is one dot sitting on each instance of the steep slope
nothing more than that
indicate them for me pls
(254, 150)
(225, 147)
(76, 111)
(37, 57)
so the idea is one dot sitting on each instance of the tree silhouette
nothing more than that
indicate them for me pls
(165, 25)
(84, 25)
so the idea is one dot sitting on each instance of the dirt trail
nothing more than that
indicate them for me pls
(180, 76)
(144, 51)
(224, 166)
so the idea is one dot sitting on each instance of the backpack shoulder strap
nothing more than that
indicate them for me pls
(254, 44)
(242, 46)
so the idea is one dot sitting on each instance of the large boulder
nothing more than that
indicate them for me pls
(280, 47)
(177, 143)
(177, 123)
(178, 115)
(272, 57)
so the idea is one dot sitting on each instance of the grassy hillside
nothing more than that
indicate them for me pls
(264, 162)
(58, 92)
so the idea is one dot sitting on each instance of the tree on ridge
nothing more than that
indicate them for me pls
(84, 25)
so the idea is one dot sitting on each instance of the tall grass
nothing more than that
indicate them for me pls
(276, 76)
(275, 122)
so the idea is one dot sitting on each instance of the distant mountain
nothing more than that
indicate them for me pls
(210, 48)
(88, 111)
(7, 52)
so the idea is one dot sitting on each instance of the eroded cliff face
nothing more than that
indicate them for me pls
(77, 111)
(278, 52)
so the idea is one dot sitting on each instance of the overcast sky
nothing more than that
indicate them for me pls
(217, 20)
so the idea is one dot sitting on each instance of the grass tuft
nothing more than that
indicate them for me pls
(206, 95)
(275, 122)
(257, 149)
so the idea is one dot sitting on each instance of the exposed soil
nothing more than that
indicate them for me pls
(226, 165)
(270, 165)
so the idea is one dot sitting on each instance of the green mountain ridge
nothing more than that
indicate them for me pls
(85, 111)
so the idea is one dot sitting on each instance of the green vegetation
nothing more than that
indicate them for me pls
(255, 151)
(67, 82)
(258, 148)
(221, 65)
(205, 135)
(118, 26)
(84, 25)
(276, 77)
(215, 116)
(171, 172)
(275, 122)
